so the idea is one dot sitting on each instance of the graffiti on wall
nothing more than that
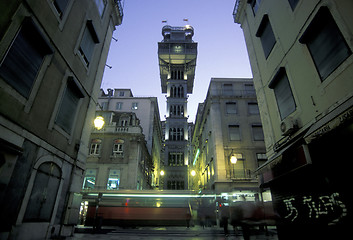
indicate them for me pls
(328, 208)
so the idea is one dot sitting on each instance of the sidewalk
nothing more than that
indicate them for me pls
(174, 232)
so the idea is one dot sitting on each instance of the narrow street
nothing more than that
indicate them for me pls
(157, 233)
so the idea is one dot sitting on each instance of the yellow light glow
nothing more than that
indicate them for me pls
(162, 173)
(158, 204)
(99, 122)
(233, 159)
(193, 173)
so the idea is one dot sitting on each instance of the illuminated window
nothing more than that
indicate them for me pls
(134, 106)
(90, 179)
(113, 179)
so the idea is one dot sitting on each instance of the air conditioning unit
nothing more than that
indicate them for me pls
(288, 126)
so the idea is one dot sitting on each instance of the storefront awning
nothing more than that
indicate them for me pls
(332, 120)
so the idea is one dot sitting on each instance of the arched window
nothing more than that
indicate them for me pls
(43, 196)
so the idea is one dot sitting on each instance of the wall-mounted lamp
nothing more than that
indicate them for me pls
(99, 122)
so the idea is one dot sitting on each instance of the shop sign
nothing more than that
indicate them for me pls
(334, 123)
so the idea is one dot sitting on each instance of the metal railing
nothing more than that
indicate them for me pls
(239, 174)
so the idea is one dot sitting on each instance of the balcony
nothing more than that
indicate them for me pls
(239, 174)
(118, 9)
(112, 128)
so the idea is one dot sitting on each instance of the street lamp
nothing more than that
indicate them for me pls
(162, 173)
(99, 122)
(233, 159)
(193, 173)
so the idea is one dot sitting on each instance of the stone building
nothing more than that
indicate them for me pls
(52, 58)
(301, 58)
(118, 156)
(227, 140)
(147, 111)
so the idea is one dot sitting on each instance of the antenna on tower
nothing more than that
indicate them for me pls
(186, 20)
(165, 21)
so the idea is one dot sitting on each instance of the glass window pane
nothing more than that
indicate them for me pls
(113, 179)
(234, 133)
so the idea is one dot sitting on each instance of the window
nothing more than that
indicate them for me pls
(175, 185)
(104, 106)
(95, 147)
(121, 94)
(253, 108)
(113, 179)
(249, 89)
(88, 41)
(43, 196)
(258, 134)
(134, 106)
(24, 58)
(60, 6)
(261, 158)
(119, 106)
(231, 107)
(227, 89)
(234, 133)
(254, 5)
(293, 3)
(176, 134)
(68, 106)
(123, 123)
(90, 179)
(326, 43)
(266, 36)
(100, 6)
(284, 97)
(176, 159)
(177, 110)
(118, 147)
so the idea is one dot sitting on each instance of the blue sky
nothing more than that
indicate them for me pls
(134, 59)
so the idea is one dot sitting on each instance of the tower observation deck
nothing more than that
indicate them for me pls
(177, 61)
(177, 56)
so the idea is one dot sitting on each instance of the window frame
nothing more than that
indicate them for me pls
(281, 73)
(266, 27)
(9, 38)
(52, 123)
(92, 33)
(322, 24)
(235, 126)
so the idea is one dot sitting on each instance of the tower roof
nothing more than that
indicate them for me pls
(177, 51)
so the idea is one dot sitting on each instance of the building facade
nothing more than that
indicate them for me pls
(118, 156)
(147, 111)
(52, 58)
(301, 58)
(177, 61)
(228, 142)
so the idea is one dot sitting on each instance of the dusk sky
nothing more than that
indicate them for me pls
(134, 57)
